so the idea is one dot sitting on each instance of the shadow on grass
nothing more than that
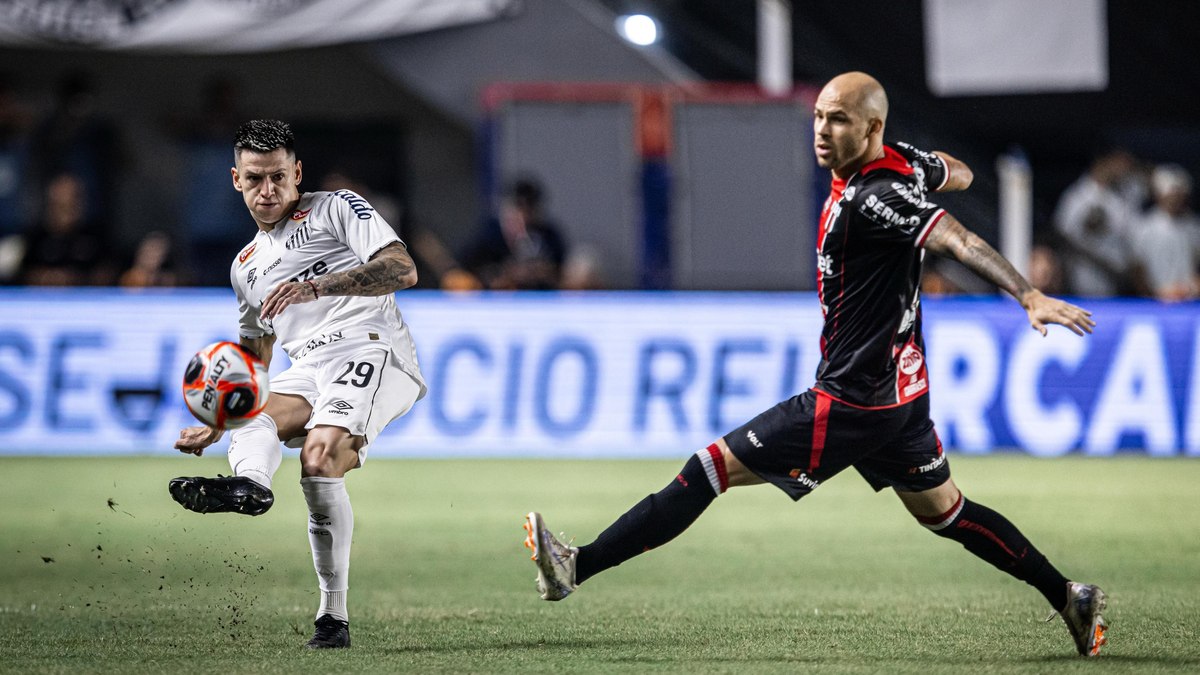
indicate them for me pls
(518, 645)
(1123, 659)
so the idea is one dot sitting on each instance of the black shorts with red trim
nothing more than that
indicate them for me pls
(808, 439)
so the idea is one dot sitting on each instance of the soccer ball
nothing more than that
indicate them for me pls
(225, 386)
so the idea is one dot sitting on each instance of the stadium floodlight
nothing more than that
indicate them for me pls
(639, 29)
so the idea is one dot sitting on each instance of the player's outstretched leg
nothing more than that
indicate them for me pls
(652, 522)
(1082, 616)
(555, 560)
(992, 537)
(254, 455)
(223, 494)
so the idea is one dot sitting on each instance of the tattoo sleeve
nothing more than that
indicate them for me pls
(950, 239)
(389, 270)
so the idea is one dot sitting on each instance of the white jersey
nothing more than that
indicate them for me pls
(328, 232)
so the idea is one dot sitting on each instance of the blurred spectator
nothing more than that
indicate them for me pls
(584, 270)
(1167, 242)
(1094, 217)
(64, 248)
(76, 138)
(152, 264)
(519, 249)
(214, 217)
(14, 127)
(1045, 269)
(387, 206)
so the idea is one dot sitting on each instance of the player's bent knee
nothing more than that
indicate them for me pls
(737, 472)
(329, 452)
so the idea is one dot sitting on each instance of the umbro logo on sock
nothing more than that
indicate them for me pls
(318, 518)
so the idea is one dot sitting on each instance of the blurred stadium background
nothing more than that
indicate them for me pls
(681, 175)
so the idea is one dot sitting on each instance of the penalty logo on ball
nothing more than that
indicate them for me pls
(225, 386)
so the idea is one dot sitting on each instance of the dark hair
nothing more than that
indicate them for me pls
(264, 136)
(526, 192)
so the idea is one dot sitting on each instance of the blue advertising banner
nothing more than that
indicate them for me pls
(87, 371)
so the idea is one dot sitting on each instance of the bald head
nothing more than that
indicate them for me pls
(858, 93)
(848, 121)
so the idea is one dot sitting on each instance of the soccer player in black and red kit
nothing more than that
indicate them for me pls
(869, 407)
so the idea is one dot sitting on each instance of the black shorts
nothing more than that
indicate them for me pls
(808, 439)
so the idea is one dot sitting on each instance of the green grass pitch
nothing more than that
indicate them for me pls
(104, 573)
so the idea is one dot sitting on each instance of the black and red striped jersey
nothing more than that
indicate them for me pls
(869, 256)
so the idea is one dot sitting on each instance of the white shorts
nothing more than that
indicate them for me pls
(362, 392)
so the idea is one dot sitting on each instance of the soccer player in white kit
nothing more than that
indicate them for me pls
(320, 276)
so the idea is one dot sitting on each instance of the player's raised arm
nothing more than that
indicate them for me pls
(391, 269)
(960, 175)
(950, 239)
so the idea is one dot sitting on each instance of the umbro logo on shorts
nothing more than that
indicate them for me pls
(341, 405)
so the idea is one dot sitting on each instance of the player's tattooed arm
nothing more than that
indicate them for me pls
(950, 239)
(960, 175)
(389, 270)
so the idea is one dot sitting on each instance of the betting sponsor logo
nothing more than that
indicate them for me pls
(910, 360)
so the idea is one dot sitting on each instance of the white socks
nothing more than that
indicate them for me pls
(330, 527)
(254, 450)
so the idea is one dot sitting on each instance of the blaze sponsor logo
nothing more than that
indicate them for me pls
(932, 466)
(753, 438)
(803, 479)
(247, 252)
(301, 215)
